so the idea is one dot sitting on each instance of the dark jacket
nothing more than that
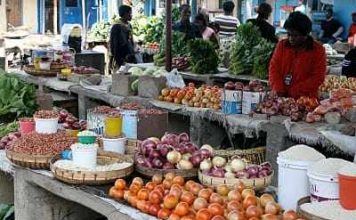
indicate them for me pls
(267, 30)
(349, 64)
(121, 43)
(190, 30)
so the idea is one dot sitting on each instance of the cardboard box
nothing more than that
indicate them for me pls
(121, 84)
(150, 87)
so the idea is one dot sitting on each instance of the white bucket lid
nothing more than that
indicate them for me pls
(327, 169)
(297, 164)
(299, 155)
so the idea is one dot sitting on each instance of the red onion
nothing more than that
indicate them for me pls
(252, 170)
(266, 165)
(157, 163)
(147, 163)
(217, 172)
(183, 137)
(163, 149)
(147, 146)
(196, 160)
(263, 173)
(191, 148)
(181, 148)
(241, 174)
(154, 154)
(168, 166)
(171, 139)
(205, 153)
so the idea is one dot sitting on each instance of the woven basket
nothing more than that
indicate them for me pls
(94, 177)
(304, 214)
(29, 161)
(253, 155)
(30, 69)
(257, 183)
(149, 172)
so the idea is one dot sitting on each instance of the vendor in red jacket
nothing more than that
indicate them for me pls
(298, 65)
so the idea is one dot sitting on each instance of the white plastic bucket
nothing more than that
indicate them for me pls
(85, 156)
(129, 123)
(46, 126)
(292, 182)
(323, 188)
(45, 65)
(117, 145)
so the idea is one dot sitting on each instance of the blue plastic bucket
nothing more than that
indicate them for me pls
(129, 123)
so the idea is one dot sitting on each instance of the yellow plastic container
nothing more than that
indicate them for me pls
(66, 71)
(113, 126)
(36, 63)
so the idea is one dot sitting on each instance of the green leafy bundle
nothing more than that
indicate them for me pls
(17, 97)
(250, 52)
(204, 58)
(100, 31)
(5, 129)
(7, 212)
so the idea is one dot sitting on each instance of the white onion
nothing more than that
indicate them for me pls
(208, 147)
(219, 161)
(174, 157)
(185, 165)
(186, 156)
(237, 165)
(227, 168)
(205, 165)
(229, 175)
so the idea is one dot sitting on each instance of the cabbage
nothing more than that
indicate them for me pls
(150, 70)
(160, 72)
(136, 71)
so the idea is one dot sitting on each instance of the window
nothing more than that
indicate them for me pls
(71, 3)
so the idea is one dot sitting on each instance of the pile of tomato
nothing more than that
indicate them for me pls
(171, 197)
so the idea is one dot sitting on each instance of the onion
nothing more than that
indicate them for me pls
(207, 147)
(227, 168)
(183, 137)
(181, 148)
(185, 165)
(191, 148)
(242, 174)
(157, 163)
(174, 157)
(219, 161)
(217, 172)
(140, 159)
(171, 139)
(205, 165)
(168, 166)
(186, 156)
(205, 153)
(229, 175)
(262, 173)
(154, 139)
(196, 160)
(163, 149)
(237, 165)
(266, 165)
(252, 170)
(154, 154)
(148, 163)
(147, 146)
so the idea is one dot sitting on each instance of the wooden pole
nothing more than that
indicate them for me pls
(55, 17)
(168, 35)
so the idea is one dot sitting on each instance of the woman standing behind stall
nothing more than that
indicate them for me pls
(298, 65)
(207, 32)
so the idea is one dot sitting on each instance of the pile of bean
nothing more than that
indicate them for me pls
(114, 114)
(46, 114)
(42, 144)
(131, 106)
(150, 111)
(102, 109)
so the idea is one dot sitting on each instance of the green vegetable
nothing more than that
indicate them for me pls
(134, 86)
(20, 98)
(7, 211)
(136, 71)
(262, 56)
(5, 129)
(150, 70)
(204, 58)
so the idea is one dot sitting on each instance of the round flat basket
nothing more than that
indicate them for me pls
(149, 172)
(304, 214)
(257, 183)
(94, 177)
(254, 155)
(29, 161)
(30, 69)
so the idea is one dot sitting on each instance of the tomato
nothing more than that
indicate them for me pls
(139, 181)
(173, 92)
(150, 186)
(134, 188)
(169, 176)
(143, 194)
(216, 198)
(116, 193)
(154, 209)
(155, 197)
(182, 209)
(163, 213)
(165, 92)
(174, 216)
(188, 185)
(216, 209)
(179, 180)
(120, 184)
(203, 214)
(187, 197)
(223, 190)
(170, 201)
(167, 184)
(181, 94)
(157, 179)
(205, 193)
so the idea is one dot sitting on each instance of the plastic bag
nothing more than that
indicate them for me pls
(174, 79)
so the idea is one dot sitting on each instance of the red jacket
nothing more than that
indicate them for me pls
(352, 30)
(307, 67)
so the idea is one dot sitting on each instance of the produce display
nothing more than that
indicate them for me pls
(250, 54)
(69, 165)
(336, 82)
(170, 152)
(82, 70)
(253, 85)
(5, 129)
(150, 48)
(180, 63)
(20, 98)
(202, 97)
(71, 122)
(42, 144)
(8, 139)
(296, 109)
(46, 114)
(332, 109)
(171, 197)
(204, 58)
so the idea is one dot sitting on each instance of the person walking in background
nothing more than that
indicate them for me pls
(190, 30)
(264, 10)
(207, 32)
(227, 22)
(331, 29)
(121, 40)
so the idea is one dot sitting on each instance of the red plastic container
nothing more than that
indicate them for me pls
(347, 190)
(26, 127)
